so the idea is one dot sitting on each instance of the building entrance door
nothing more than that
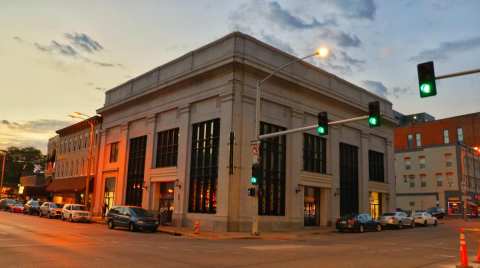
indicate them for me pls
(165, 206)
(311, 206)
(348, 179)
(109, 194)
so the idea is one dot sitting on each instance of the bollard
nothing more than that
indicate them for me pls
(196, 227)
(463, 251)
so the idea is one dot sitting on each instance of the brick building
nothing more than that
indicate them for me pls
(437, 163)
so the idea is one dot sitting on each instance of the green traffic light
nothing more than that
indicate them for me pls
(426, 88)
(373, 121)
(253, 180)
(321, 130)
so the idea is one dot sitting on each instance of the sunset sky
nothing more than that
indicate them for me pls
(57, 57)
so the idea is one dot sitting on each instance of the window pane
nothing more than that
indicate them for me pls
(167, 148)
(314, 153)
(376, 166)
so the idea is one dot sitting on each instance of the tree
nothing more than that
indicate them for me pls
(21, 162)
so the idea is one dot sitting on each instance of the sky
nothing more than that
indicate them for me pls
(58, 57)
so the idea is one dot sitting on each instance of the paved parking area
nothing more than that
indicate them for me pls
(30, 241)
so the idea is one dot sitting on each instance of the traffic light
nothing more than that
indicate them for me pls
(251, 191)
(374, 118)
(256, 174)
(322, 128)
(426, 79)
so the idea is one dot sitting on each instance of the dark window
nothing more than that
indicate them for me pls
(271, 187)
(204, 167)
(348, 179)
(113, 152)
(136, 169)
(167, 148)
(314, 153)
(376, 169)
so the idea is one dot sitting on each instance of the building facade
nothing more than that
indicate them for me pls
(177, 140)
(435, 161)
(68, 162)
(463, 129)
(437, 176)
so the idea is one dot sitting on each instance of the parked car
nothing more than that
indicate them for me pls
(51, 210)
(32, 207)
(5, 203)
(437, 212)
(17, 207)
(425, 218)
(76, 212)
(133, 218)
(361, 223)
(398, 219)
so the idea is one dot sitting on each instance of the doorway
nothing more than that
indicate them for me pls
(348, 179)
(165, 202)
(311, 206)
(109, 193)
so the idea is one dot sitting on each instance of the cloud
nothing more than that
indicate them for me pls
(380, 89)
(76, 44)
(285, 18)
(357, 9)
(56, 47)
(276, 42)
(256, 10)
(446, 49)
(30, 133)
(341, 38)
(84, 42)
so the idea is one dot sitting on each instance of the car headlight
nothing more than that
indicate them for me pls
(140, 222)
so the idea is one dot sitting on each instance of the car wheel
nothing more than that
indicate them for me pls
(110, 225)
(412, 225)
(49, 215)
(435, 223)
(40, 214)
(361, 229)
(425, 223)
(378, 228)
(70, 219)
(131, 227)
(400, 225)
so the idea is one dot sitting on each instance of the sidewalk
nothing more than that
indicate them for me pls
(188, 232)
(287, 235)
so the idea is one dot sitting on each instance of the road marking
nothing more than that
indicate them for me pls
(446, 256)
(275, 247)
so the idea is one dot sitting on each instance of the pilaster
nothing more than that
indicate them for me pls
(363, 196)
(181, 185)
(294, 199)
(149, 155)
(122, 163)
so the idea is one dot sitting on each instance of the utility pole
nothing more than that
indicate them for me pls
(3, 171)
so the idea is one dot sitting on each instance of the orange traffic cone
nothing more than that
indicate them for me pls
(196, 227)
(477, 259)
(463, 252)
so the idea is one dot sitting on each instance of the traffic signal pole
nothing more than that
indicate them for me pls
(457, 74)
(301, 129)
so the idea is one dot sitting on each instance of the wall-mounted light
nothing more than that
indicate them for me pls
(298, 189)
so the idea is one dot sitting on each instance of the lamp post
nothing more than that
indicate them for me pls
(321, 52)
(3, 171)
(91, 124)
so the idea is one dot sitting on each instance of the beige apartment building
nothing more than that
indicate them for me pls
(177, 140)
(436, 176)
(68, 161)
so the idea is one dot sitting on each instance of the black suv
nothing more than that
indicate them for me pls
(133, 218)
(32, 207)
(437, 212)
(361, 223)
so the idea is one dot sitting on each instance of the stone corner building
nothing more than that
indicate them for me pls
(177, 140)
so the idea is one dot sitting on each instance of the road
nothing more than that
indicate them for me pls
(30, 241)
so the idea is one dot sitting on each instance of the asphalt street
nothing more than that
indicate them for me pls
(30, 241)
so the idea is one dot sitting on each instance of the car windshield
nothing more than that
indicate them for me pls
(419, 214)
(389, 214)
(57, 206)
(140, 212)
(77, 207)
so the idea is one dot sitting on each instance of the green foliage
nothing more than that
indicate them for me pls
(21, 162)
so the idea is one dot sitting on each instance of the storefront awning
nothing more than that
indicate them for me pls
(75, 184)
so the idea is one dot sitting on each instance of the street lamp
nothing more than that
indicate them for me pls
(321, 52)
(3, 170)
(91, 124)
